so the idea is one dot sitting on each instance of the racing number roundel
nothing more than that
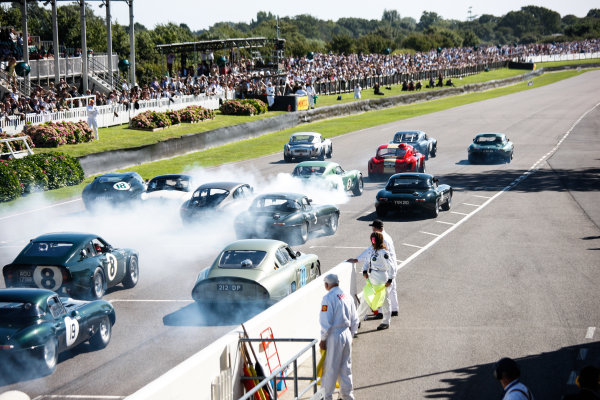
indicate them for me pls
(71, 330)
(111, 267)
(349, 184)
(121, 186)
(47, 277)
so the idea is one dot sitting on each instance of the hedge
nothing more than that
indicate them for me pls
(54, 134)
(243, 107)
(38, 172)
(152, 119)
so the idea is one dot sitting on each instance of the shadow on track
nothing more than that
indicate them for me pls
(202, 315)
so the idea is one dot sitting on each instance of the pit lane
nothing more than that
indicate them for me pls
(156, 324)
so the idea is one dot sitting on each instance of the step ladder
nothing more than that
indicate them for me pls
(273, 361)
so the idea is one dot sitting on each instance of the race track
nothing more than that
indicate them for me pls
(504, 272)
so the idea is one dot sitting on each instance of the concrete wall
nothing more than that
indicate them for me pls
(296, 316)
(118, 159)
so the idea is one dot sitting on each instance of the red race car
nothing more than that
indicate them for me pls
(394, 158)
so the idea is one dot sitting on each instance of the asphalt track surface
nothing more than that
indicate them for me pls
(510, 270)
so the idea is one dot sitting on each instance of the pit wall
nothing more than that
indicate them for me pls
(296, 316)
(118, 159)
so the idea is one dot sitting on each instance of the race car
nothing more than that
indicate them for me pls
(330, 173)
(419, 140)
(307, 145)
(214, 196)
(113, 189)
(286, 215)
(260, 271)
(37, 326)
(80, 265)
(173, 187)
(395, 158)
(487, 147)
(408, 191)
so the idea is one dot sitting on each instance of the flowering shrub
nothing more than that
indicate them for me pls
(54, 134)
(31, 177)
(18, 145)
(195, 114)
(150, 120)
(61, 169)
(237, 107)
(174, 116)
(259, 105)
(10, 187)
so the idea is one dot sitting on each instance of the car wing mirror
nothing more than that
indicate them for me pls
(309, 201)
(74, 313)
(436, 180)
(83, 253)
(298, 254)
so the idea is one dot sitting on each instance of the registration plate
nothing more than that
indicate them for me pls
(229, 287)
(402, 202)
(25, 279)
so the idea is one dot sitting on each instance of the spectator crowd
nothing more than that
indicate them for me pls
(241, 77)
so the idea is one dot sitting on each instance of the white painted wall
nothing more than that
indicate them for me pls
(296, 316)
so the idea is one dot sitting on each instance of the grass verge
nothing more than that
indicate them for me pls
(273, 142)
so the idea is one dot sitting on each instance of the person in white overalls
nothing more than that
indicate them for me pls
(379, 269)
(92, 115)
(270, 94)
(339, 323)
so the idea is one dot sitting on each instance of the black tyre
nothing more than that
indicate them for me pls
(48, 357)
(98, 284)
(318, 269)
(435, 211)
(433, 151)
(330, 152)
(359, 187)
(381, 211)
(471, 160)
(101, 338)
(332, 224)
(302, 234)
(132, 273)
(287, 158)
(422, 166)
(446, 206)
(322, 155)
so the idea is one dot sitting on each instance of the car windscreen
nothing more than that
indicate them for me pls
(242, 259)
(406, 137)
(175, 183)
(488, 140)
(308, 171)
(209, 197)
(408, 182)
(112, 179)
(280, 204)
(301, 139)
(48, 249)
(18, 310)
(399, 152)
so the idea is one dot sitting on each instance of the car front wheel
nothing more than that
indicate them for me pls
(102, 336)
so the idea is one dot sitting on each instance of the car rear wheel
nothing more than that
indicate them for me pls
(330, 152)
(48, 356)
(302, 233)
(433, 151)
(358, 188)
(446, 206)
(98, 285)
(322, 155)
(332, 224)
(381, 212)
(435, 211)
(132, 273)
(422, 166)
(101, 338)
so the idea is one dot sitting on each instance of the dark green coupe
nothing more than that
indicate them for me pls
(36, 325)
(331, 174)
(79, 265)
(488, 147)
(413, 191)
(289, 216)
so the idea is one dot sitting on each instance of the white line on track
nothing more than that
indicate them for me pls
(338, 247)
(474, 205)
(39, 209)
(429, 233)
(444, 222)
(483, 197)
(148, 301)
(412, 245)
(590, 332)
(459, 213)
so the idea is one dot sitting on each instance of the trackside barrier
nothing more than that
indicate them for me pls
(16, 153)
(296, 316)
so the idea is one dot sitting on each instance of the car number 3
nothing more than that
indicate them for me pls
(72, 330)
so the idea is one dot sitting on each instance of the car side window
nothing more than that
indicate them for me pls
(90, 250)
(282, 256)
(238, 193)
(339, 170)
(306, 205)
(55, 306)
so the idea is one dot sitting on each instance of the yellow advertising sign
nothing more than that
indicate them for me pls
(302, 103)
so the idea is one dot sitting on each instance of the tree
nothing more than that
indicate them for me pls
(428, 19)
(469, 38)
(342, 44)
(392, 17)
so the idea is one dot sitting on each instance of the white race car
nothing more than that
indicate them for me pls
(174, 187)
(307, 145)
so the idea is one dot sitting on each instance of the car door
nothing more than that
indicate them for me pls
(310, 214)
(68, 330)
(345, 176)
(287, 280)
(113, 261)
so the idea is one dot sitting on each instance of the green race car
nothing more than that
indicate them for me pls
(79, 265)
(286, 215)
(258, 271)
(407, 191)
(489, 147)
(36, 325)
(331, 173)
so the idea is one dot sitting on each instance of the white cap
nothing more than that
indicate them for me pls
(332, 279)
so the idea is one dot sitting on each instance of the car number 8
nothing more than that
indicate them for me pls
(112, 266)
(48, 277)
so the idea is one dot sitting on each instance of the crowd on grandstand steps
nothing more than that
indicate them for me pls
(240, 78)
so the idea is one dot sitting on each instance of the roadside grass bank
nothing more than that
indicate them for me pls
(273, 142)
(570, 62)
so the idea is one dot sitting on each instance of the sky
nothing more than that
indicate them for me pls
(201, 15)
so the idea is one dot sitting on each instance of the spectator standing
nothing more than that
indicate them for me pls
(339, 323)
(92, 115)
(357, 91)
(311, 95)
(170, 58)
(270, 94)
(507, 372)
